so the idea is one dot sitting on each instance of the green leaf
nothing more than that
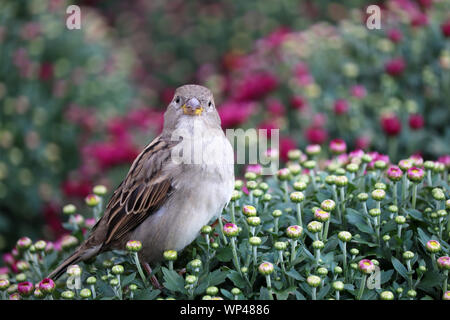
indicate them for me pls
(147, 294)
(224, 254)
(127, 279)
(294, 274)
(173, 281)
(216, 277)
(264, 294)
(415, 214)
(356, 219)
(399, 267)
(237, 279)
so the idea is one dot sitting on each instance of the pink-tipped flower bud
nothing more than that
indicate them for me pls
(134, 246)
(265, 268)
(294, 232)
(47, 286)
(415, 174)
(444, 262)
(230, 230)
(366, 266)
(394, 173)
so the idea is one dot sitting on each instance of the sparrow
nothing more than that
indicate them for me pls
(180, 181)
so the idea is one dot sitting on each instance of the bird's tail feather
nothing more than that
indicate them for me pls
(73, 259)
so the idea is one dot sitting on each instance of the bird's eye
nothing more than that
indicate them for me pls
(209, 104)
(177, 100)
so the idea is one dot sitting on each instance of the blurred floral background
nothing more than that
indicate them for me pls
(77, 106)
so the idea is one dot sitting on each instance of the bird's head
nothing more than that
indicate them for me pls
(191, 103)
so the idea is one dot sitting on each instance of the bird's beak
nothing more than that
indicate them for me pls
(192, 107)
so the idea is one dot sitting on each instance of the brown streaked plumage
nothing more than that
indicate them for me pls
(161, 203)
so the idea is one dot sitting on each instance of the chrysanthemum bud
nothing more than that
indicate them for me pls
(212, 291)
(322, 271)
(374, 212)
(341, 181)
(394, 173)
(338, 270)
(354, 251)
(250, 176)
(313, 149)
(22, 265)
(4, 284)
(254, 221)
(408, 255)
(362, 196)
(444, 262)
(280, 245)
(117, 269)
(313, 281)
(238, 184)
(412, 293)
(328, 205)
(68, 295)
(46, 286)
(386, 238)
(85, 293)
(230, 230)
(314, 226)
(206, 229)
(263, 186)
(100, 190)
(366, 266)
(330, 180)
(266, 198)
(277, 213)
(92, 200)
(255, 241)
(433, 246)
(415, 174)
(249, 211)
(251, 185)
(91, 280)
(429, 165)
(318, 244)
(400, 220)
(442, 213)
(24, 243)
(74, 270)
(170, 255)
(340, 172)
(236, 291)
(386, 295)
(236, 195)
(438, 194)
(265, 268)
(297, 196)
(300, 186)
(380, 185)
(405, 165)
(294, 232)
(378, 194)
(134, 246)
(366, 158)
(393, 209)
(294, 168)
(69, 242)
(380, 165)
(284, 174)
(69, 209)
(446, 295)
(338, 285)
(321, 215)
(345, 236)
(25, 288)
(114, 282)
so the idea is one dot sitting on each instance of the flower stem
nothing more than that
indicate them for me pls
(293, 245)
(299, 215)
(221, 230)
(414, 195)
(138, 266)
(314, 293)
(361, 287)
(235, 256)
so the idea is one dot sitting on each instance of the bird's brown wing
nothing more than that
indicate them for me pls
(144, 190)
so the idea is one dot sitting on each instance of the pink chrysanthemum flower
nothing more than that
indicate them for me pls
(444, 262)
(433, 246)
(366, 266)
(394, 173)
(415, 174)
(294, 232)
(230, 230)
(338, 146)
